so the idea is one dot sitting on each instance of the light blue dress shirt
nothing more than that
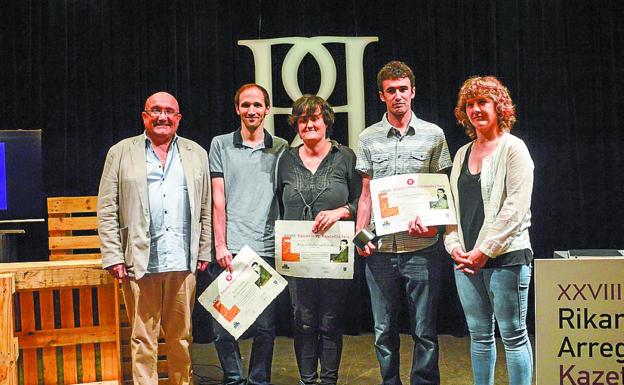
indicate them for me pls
(170, 213)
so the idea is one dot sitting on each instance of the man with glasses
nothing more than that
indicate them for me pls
(154, 222)
(242, 168)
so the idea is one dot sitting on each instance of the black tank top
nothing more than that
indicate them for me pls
(473, 215)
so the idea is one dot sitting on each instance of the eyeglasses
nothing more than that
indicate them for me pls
(154, 113)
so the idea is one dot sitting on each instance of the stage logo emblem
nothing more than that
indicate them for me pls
(315, 46)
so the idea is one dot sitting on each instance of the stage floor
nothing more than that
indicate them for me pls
(359, 365)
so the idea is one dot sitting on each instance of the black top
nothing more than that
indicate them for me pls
(302, 195)
(472, 217)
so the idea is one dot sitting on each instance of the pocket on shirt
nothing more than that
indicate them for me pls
(418, 162)
(381, 163)
(338, 176)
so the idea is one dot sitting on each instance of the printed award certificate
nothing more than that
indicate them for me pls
(399, 199)
(300, 253)
(236, 299)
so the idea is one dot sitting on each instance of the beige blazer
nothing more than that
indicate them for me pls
(123, 207)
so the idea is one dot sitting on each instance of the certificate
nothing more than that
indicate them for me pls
(399, 199)
(301, 253)
(236, 299)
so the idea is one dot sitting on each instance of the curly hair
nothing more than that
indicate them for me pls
(394, 70)
(306, 105)
(491, 88)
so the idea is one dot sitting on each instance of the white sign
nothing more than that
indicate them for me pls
(399, 199)
(301, 253)
(579, 321)
(236, 299)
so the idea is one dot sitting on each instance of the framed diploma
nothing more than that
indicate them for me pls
(399, 199)
(301, 253)
(236, 299)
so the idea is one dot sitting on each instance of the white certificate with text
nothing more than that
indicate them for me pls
(301, 253)
(236, 299)
(399, 199)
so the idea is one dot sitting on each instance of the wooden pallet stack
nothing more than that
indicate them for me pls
(65, 321)
(72, 227)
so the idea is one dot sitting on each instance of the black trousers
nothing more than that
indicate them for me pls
(318, 307)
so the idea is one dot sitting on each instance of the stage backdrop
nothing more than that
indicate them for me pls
(81, 71)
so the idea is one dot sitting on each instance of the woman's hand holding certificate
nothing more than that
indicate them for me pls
(301, 252)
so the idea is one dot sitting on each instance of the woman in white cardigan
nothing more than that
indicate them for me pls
(491, 185)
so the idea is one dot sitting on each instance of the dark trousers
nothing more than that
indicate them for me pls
(318, 307)
(263, 333)
(418, 274)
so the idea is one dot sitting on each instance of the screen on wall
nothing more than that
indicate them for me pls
(21, 185)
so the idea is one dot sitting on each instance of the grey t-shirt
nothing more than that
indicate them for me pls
(249, 182)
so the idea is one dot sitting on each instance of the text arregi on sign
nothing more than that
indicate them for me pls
(579, 321)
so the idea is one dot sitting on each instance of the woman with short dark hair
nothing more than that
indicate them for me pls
(317, 182)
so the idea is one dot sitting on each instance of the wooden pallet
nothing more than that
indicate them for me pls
(66, 321)
(72, 227)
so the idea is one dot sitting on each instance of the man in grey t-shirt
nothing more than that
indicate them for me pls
(242, 169)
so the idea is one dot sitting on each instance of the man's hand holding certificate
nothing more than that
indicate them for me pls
(299, 252)
(235, 299)
(399, 199)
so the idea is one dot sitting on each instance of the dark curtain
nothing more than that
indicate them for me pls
(81, 71)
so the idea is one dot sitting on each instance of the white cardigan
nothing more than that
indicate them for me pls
(506, 186)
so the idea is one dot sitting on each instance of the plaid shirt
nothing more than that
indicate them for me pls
(383, 151)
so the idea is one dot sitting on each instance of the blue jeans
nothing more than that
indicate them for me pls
(500, 293)
(418, 274)
(318, 306)
(263, 332)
